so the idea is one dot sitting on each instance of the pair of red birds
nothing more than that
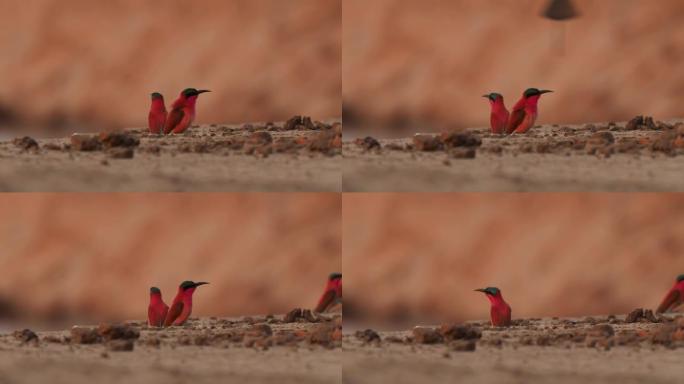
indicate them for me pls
(523, 116)
(500, 311)
(181, 116)
(159, 314)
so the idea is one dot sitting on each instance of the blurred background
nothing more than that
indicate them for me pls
(423, 65)
(81, 65)
(69, 258)
(411, 258)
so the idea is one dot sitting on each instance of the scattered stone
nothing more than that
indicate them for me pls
(460, 332)
(299, 123)
(300, 315)
(640, 123)
(259, 330)
(641, 315)
(118, 139)
(460, 139)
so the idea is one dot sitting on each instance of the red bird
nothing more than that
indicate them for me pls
(182, 111)
(157, 116)
(332, 295)
(524, 112)
(181, 308)
(674, 298)
(498, 117)
(157, 310)
(500, 311)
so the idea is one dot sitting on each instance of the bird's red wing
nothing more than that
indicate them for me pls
(325, 301)
(174, 312)
(150, 317)
(517, 117)
(670, 300)
(175, 117)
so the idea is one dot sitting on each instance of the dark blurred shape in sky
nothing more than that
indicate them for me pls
(560, 10)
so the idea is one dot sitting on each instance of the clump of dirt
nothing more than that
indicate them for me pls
(118, 139)
(118, 331)
(368, 143)
(460, 332)
(427, 143)
(26, 336)
(85, 142)
(460, 139)
(367, 336)
(640, 123)
(299, 123)
(26, 143)
(84, 335)
(300, 315)
(427, 335)
(641, 315)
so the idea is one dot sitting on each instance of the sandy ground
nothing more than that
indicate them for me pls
(206, 158)
(207, 351)
(541, 351)
(549, 158)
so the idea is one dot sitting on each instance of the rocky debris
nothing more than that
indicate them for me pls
(460, 139)
(120, 345)
(324, 334)
(328, 142)
(299, 315)
(601, 330)
(118, 331)
(85, 142)
(669, 334)
(368, 143)
(259, 138)
(84, 335)
(299, 123)
(452, 332)
(462, 346)
(26, 336)
(121, 153)
(640, 123)
(118, 139)
(26, 143)
(427, 143)
(367, 336)
(426, 335)
(641, 315)
(670, 142)
(259, 330)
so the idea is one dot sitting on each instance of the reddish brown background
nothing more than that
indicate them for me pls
(82, 64)
(424, 64)
(94, 256)
(419, 256)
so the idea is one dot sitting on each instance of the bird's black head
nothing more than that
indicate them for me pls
(187, 284)
(335, 276)
(156, 95)
(529, 92)
(493, 96)
(680, 278)
(489, 291)
(155, 290)
(188, 92)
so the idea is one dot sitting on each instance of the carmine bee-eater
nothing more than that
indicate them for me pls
(498, 117)
(524, 112)
(332, 295)
(182, 111)
(157, 310)
(157, 116)
(500, 310)
(674, 297)
(181, 308)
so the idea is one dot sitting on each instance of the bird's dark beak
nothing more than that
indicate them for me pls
(545, 91)
(485, 96)
(200, 283)
(481, 290)
(203, 91)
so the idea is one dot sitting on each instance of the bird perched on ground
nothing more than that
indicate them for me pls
(674, 297)
(500, 310)
(183, 111)
(524, 113)
(332, 294)
(181, 308)
(157, 116)
(498, 117)
(157, 310)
